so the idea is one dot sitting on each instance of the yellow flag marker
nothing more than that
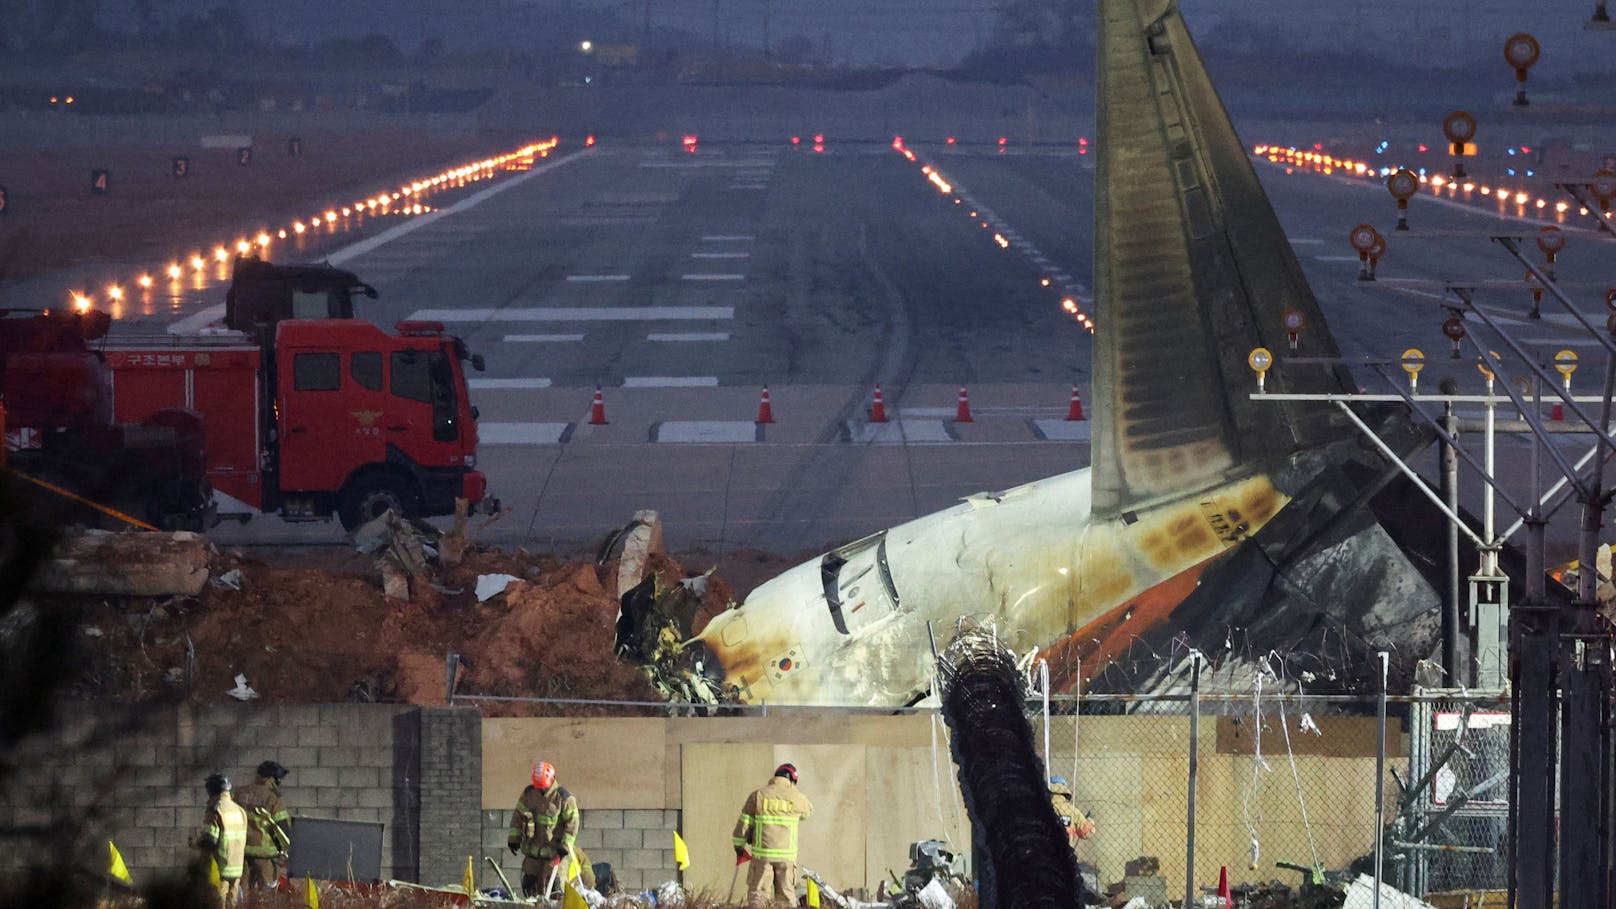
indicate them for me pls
(116, 868)
(468, 881)
(214, 877)
(681, 852)
(813, 894)
(571, 898)
(312, 899)
(573, 872)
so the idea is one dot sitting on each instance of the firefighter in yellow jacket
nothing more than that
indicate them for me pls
(223, 839)
(267, 819)
(544, 827)
(767, 833)
(1079, 825)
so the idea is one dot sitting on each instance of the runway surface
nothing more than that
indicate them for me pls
(683, 284)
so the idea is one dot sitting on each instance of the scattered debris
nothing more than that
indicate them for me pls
(242, 691)
(492, 585)
(642, 539)
(230, 579)
(138, 564)
(653, 623)
(1141, 880)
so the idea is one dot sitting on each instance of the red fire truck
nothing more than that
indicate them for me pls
(331, 416)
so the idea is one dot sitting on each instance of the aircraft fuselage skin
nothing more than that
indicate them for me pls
(850, 627)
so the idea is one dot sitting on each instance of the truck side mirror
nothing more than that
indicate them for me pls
(478, 363)
(368, 291)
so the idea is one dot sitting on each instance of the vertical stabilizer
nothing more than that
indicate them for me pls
(1192, 271)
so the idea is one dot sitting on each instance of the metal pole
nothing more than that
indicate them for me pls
(1450, 608)
(1380, 776)
(1195, 768)
(1043, 685)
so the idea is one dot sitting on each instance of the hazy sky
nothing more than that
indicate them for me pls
(937, 32)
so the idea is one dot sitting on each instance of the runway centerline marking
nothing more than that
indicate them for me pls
(586, 279)
(708, 277)
(542, 339)
(505, 384)
(728, 238)
(720, 255)
(578, 314)
(688, 336)
(670, 382)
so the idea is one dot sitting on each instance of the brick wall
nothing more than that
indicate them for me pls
(638, 843)
(137, 780)
(451, 766)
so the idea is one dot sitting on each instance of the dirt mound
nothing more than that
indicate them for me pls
(314, 626)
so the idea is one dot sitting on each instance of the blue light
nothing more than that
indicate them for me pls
(1509, 151)
(1511, 171)
(1529, 173)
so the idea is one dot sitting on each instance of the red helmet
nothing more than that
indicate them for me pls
(543, 775)
(789, 771)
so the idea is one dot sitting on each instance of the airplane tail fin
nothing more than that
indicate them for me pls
(1192, 271)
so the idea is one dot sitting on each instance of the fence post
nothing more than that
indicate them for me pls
(1195, 767)
(1380, 777)
(1043, 683)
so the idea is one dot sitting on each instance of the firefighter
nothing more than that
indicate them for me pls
(267, 819)
(544, 827)
(223, 840)
(767, 834)
(1079, 825)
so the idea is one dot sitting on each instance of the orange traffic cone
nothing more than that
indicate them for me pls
(765, 411)
(597, 410)
(1223, 887)
(878, 407)
(962, 412)
(1074, 411)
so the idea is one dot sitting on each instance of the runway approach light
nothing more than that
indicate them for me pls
(1294, 323)
(1402, 184)
(197, 262)
(1260, 361)
(114, 292)
(80, 302)
(1565, 363)
(1521, 51)
(1551, 240)
(1603, 188)
(1363, 239)
(1413, 362)
(1454, 329)
(174, 271)
(1487, 366)
(1460, 128)
(144, 281)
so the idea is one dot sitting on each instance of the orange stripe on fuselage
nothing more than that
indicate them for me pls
(1098, 643)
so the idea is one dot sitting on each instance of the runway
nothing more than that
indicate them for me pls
(682, 284)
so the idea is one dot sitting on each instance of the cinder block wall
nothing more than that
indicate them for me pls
(637, 842)
(138, 779)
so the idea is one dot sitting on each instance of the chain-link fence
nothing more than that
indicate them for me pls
(1268, 784)
(1283, 784)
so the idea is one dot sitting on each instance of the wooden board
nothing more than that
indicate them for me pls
(910, 803)
(606, 763)
(716, 781)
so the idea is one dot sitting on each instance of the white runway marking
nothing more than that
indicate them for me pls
(670, 382)
(728, 238)
(1305, 241)
(706, 277)
(523, 433)
(578, 314)
(728, 431)
(543, 339)
(721, 255)
(497, 384)
(688, 336)
(1335, 258)
(590, 279)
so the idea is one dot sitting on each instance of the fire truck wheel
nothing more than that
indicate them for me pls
(365, 497)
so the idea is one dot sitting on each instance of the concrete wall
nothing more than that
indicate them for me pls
(137, 779)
